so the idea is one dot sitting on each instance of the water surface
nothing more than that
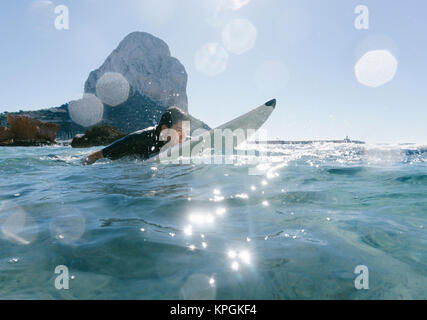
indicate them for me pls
(295, 230)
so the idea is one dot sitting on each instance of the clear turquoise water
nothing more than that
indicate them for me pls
(122, 228)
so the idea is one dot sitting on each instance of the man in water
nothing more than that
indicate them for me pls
(147, 142)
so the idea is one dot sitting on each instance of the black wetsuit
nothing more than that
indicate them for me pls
(142, 144)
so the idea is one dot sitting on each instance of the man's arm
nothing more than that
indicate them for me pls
(114, 150)
(132, 144)
(93, 157)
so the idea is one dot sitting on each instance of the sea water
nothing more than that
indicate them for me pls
(297, 227)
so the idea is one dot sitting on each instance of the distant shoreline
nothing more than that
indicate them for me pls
(306, 141)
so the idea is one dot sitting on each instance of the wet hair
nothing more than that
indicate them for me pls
(172, 116)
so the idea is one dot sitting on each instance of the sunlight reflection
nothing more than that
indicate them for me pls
(188, 230)
(216, 198)
(243, 255)
(235, 4)
(211, 59)
(14, 260)
(272, 172)
(198, 287)
(270, 175)
(263, 166)
(220, 211)
(235, 265)
(70, 226)
(113, 89)
(376, 68)
(17, 226)
(87, 111)
(232, 254)
(239, 36)
(221, 10)
(201, 218)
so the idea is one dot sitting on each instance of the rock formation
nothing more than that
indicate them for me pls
(97, 136)
(146, 63)
(6, 136)
(25, 131)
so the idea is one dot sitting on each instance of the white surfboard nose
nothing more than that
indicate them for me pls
(271, 103)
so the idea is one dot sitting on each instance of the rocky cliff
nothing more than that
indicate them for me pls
(145, 62)
(137, 82)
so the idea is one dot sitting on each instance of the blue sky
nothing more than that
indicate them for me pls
(313, 43)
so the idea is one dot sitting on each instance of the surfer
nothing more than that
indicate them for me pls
(147, 142)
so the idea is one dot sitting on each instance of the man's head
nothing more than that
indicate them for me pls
(173, 119)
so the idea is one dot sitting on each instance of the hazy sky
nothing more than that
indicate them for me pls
(302, 52)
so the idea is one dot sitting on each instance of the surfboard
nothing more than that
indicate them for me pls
(248, 123)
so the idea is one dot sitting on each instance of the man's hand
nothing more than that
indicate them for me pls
(92, 158)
